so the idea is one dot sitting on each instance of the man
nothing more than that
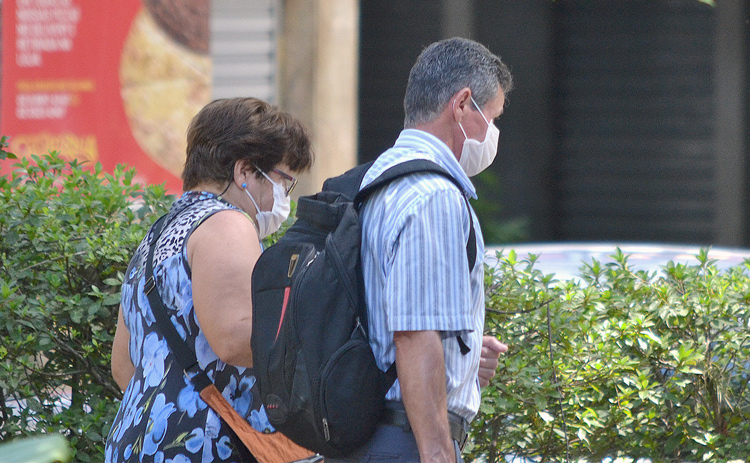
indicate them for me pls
(423, 303)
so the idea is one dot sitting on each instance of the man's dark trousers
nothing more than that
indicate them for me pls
(389, 444)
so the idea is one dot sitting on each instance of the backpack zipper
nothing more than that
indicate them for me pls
(326, 431)
(343, 275)
(349, 345)
(310, 257)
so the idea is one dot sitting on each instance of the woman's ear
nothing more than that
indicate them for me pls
(243, 171)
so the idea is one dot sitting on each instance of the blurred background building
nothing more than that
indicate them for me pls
(629, 120)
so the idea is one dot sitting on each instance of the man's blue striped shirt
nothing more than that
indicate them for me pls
(414, 237)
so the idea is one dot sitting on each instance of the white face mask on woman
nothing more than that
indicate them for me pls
(475, 155)
(270, 221)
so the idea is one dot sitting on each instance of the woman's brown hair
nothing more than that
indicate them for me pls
(242, 129)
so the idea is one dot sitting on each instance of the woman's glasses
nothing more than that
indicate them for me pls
(289, 181)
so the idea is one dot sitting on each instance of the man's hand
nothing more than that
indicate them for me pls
(491, 350)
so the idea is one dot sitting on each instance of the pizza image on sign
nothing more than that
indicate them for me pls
(165, 76)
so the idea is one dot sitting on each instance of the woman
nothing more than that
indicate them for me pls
(243, 157)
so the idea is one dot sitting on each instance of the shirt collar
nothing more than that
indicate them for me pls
(435, 150)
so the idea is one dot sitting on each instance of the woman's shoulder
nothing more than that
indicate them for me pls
(191, 209)
(226, 229)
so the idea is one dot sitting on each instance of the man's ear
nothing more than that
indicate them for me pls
(461, 103)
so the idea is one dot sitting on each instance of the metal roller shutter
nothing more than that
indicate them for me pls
(634, 112)
(244, 37)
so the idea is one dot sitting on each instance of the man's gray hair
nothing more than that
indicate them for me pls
(446, 67)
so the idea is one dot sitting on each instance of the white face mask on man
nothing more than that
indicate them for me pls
(475, 155)
(270, 221)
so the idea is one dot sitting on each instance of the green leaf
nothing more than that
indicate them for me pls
(546, 416)
(582, 434)
(5, 290)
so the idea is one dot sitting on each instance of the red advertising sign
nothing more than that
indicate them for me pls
(104, 81)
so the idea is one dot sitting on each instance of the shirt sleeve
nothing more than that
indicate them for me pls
(427, 287)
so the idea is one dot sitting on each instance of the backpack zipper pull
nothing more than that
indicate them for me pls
(292, 265)
(326, 431)
(361, 328)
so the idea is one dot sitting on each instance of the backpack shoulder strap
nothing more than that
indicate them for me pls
(400, 170)
(412, 167)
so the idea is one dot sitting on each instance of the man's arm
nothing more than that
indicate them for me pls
(420, 364)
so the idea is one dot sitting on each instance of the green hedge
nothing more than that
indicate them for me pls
(66, 236)
(621, 364)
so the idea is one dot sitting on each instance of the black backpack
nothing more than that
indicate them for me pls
(315, 370)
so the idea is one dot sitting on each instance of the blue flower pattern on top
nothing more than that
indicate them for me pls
(162, 417)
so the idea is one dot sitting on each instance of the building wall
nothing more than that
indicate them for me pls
(731, 75)
(392, 34)
(302, 56)
(522, 34)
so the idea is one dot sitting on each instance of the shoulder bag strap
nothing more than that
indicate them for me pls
(266, 448)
